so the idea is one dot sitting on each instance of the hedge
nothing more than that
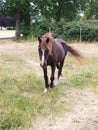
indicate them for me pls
(69, 31)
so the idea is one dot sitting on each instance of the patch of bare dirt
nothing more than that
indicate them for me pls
(7, 33)
(84, 115)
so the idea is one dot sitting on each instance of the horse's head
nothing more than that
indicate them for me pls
(44, 48)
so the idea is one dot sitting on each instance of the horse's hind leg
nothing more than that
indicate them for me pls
(60, 68)
(58, 65)
(52, 76)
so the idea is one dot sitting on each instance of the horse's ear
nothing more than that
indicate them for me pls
(39, 39)
(47, 40)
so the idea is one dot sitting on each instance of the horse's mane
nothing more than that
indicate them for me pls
(47, 35)
(51, 39)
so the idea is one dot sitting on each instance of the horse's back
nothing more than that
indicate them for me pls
(62, 45)
(59, 50)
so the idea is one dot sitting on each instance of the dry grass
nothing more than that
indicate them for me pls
(24, 106)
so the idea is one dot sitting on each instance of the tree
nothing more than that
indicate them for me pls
(49, 9)
(92, 9)
(58, 9)
(17, 8)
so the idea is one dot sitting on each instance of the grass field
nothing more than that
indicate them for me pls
(23, 105)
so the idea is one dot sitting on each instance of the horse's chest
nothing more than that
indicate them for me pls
(50, 60)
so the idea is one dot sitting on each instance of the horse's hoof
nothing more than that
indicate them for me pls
(61, 78)
(57, 82)
(51, 85)
(45, 90)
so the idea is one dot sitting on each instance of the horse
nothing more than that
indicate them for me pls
(52, 52)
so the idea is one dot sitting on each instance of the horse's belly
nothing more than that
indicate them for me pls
(60, 59)
(60, 56)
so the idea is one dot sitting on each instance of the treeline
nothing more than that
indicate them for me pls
(70, 31)
(63, 17)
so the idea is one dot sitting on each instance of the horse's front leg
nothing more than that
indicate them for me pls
(52, 76)
(46, 80)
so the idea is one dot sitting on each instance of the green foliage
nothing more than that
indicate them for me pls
(88, 31)
(53, 12)
(92, 9)
(60, 9)
(43, 26)
(47, 8)
(70, 31)
(26, 31)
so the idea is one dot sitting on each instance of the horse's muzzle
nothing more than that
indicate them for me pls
(43, 65)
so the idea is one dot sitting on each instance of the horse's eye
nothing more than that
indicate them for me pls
(40, 51)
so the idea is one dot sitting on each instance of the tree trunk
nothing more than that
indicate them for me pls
(17, 26)
(1, 27)
(58, 13)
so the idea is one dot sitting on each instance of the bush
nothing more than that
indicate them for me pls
(25, 31)
(69, 31)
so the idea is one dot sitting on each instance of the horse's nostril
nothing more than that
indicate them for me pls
(43, 65)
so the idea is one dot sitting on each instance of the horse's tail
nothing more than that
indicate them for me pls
(74, 52)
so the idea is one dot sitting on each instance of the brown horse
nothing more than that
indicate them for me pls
(52, 52)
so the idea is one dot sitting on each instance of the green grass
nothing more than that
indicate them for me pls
(21, 90)
(86, 78)
(23, 101)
